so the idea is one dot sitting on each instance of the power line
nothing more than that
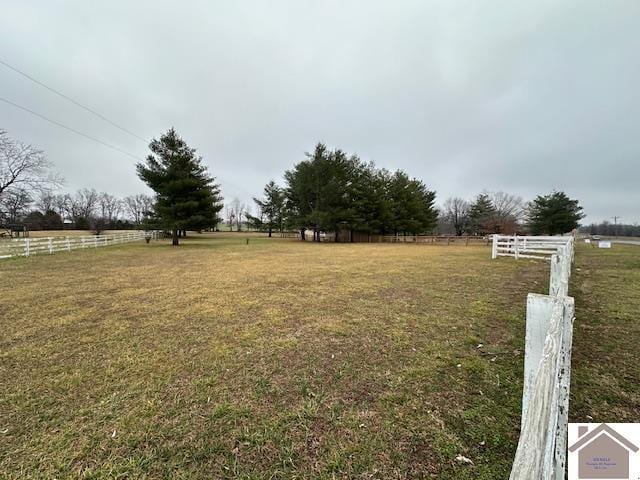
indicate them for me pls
(71, 129)
(97, 140)
(75, 102)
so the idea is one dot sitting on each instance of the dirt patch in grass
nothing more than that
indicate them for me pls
(276, 359)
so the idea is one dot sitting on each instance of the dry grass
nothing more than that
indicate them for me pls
(276, 359)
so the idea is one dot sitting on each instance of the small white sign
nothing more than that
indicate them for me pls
(603, 244)
(587, 240)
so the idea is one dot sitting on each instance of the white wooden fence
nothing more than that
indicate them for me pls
(526, 247)
(25, 247)
(541, 452)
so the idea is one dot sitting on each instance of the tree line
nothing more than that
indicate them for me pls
(612, 229)
(503, 213)
(328, 191)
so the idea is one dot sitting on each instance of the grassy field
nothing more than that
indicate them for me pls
(286, 359)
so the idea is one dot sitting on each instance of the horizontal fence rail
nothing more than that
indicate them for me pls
(26, 247)
(541, 452)
(527, 246)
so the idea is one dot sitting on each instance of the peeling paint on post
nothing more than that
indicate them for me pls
(564, 376)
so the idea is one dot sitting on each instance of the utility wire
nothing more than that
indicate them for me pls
(90, 110)
(71, 129)
(97, 140)
(75, 102)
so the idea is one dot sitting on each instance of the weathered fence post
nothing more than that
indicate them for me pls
(564, 375)
(68, 243)
(555, 275)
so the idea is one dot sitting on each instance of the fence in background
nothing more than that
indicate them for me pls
(25, 247)
(359, 237)
(542, 447)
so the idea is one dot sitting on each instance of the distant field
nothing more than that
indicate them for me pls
(283, 359)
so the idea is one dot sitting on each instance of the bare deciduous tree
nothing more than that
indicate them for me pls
(23, 167)
(507, 205)
(110, 207)
(14, 204)
(138, 207)
(456, 214)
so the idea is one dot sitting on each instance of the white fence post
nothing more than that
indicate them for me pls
(538, 318)
(26, 247)
(564, 375)
(555, 275)
(494, 247)
(50, 245)
(541, 452)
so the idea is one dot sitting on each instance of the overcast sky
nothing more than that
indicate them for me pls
(520, 96)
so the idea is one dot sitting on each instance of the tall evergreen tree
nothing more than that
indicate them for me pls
(186, 196)
(554, 214)
(271, 209)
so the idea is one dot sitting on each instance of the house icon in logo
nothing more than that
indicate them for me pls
(602, 453)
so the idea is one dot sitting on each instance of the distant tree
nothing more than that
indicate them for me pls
(186, 196)
(24, 167)
(49, 220)
(607, 228)
(456, 213)
(482, 215)
(110, 208)
(80, 207)
(554, 214)
(509, 212)
(52, 221)
(271, 208)
(14, 204)
(139, 207)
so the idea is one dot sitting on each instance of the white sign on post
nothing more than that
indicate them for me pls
(603, 244)
(587, 240)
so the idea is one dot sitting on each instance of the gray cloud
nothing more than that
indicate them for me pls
(519, 96)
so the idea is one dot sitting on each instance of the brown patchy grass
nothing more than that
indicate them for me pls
(277, 359)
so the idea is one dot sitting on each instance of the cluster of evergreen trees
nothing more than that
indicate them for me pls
(333, 191)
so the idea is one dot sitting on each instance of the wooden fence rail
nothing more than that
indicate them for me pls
(541, 452)
(25, 247)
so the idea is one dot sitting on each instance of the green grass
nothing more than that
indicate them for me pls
(276, 359)
(606, 352)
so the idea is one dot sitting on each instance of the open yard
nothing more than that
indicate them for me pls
(287, 359)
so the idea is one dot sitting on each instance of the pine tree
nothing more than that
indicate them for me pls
(271, 209)
(186, 196)
(482, 216)
(554, 214)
